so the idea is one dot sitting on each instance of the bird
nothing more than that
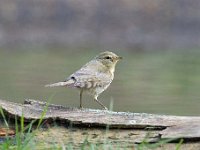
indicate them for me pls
(94, 77)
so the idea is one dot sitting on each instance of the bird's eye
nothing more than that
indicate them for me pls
(107, 57)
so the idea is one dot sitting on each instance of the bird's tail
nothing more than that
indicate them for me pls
(64, 83)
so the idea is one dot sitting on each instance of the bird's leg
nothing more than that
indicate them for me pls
(81, 93)
(104, 107)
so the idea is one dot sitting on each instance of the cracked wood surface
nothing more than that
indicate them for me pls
(176, 127)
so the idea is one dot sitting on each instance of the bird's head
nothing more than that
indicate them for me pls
(108, 59)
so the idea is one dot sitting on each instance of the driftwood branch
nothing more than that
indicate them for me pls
(170, 126)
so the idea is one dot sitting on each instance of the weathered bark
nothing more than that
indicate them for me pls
(171, 126)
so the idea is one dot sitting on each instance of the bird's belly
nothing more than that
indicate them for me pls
(97, 90)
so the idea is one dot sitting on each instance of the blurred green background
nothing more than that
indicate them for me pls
(43, 42)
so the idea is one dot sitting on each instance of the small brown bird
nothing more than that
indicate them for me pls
(94, 77)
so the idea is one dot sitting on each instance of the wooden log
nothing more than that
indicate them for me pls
(172, 126)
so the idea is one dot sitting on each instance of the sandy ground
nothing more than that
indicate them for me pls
(120, 139)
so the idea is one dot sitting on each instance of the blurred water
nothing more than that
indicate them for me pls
(164, 82)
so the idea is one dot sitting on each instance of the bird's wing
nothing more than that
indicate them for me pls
(86, 77)
(89, 79)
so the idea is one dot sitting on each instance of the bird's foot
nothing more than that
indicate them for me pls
(105, 108)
